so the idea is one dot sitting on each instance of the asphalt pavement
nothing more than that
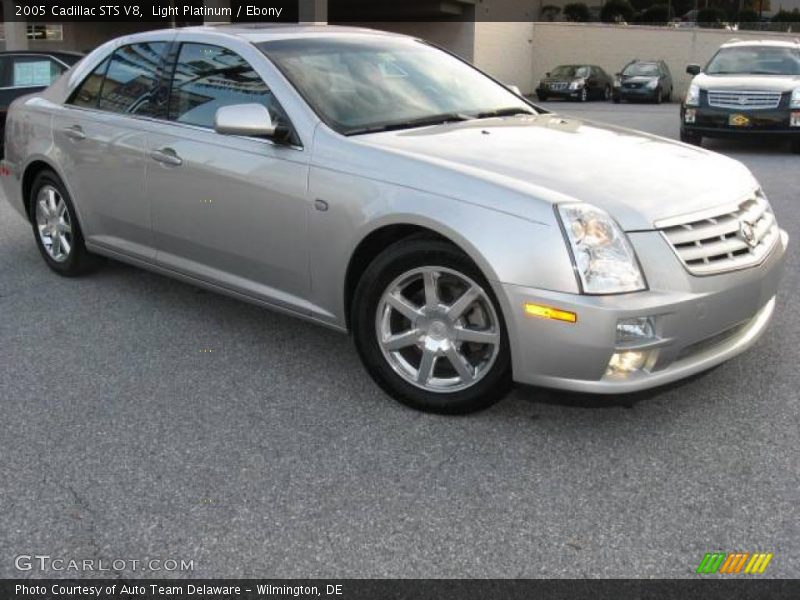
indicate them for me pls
(143, 418)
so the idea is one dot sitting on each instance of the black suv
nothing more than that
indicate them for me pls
(746, 89)
(648, 80)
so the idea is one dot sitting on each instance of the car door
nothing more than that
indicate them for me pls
(102, 148)
(229, 210)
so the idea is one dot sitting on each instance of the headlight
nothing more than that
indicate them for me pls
(603, 256)
(795, 102)
(576, 85)
(652, 84)
(693, 95)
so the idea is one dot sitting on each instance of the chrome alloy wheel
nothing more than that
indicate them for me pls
(53, 223)
(438, 329)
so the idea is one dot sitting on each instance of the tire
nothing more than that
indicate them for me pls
(607, 93)
(795, 147)
(617, 100)
(542, 97)
(584, 95)
(406, 270)
(659, 96)
(688, 137)
(56, 229)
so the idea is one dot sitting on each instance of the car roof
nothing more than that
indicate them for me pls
(775, 43)
(265, 32)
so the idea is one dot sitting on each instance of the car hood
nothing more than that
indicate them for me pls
(638, 178)
(772, 83)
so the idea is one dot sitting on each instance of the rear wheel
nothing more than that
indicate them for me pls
(429, 330)
(56, 228)
(584, 95)
(692, 138)
(607, 93)
(659, 96)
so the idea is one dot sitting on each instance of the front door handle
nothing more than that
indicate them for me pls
(75, 132)
(166, 156)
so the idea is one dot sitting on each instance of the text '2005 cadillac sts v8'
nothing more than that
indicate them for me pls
(373, 183)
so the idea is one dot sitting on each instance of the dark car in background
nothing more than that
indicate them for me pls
(26, 72)
(747, 89)
(576, 82)
(646, 80)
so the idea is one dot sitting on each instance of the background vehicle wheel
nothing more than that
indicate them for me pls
(617, 99)
(659, 96)
(55, 227)
(584, 95)
(429, 330)
(607, 93)
(691, 138)
(542, 97)
(796, 147)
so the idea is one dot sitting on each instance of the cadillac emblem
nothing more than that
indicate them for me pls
(748, 233)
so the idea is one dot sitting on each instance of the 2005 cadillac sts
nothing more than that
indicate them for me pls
(378, 185)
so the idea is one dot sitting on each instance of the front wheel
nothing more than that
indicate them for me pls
(607, 93)
(584, 95)
(429, 330)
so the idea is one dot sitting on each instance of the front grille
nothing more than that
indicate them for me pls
(744, 99)
(558, 86)
(632, 86)
(726, 241)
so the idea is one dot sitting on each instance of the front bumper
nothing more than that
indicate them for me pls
(700, 323)
(716, 122)
(641, 93)
(558, 93)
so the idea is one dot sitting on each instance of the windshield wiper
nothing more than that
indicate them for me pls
(503, 112)
(420, 122)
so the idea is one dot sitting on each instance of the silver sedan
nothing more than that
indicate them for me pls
(378, 185)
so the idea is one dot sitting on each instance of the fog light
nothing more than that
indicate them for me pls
(625, 363)
(794, 120)
(637, 329)
(690, 116)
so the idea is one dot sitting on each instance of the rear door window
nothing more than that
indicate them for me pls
(132, 79)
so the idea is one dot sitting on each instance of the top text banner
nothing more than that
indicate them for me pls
(153, 11)
(187, 12)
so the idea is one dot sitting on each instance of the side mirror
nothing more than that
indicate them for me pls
(693, 69)
(244, 119)
(514, 89)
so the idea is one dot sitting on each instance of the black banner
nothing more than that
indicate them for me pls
(393, 589)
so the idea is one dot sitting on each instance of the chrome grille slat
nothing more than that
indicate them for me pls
(719, 243)
(744, 99)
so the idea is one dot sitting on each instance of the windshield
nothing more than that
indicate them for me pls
(570, 71)
(755, 60)
(369, 83)
(641, 70)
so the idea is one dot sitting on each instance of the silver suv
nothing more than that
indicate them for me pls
(375, 184)
(747, 89)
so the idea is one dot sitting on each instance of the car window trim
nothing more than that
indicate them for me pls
(162, 121)
(173, 54)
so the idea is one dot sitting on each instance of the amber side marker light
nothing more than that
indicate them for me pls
(548, 312)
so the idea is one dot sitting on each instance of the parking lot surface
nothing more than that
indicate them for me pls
(144, 418)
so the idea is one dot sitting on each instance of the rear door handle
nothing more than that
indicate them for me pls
(75, 132)
(166, 156)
